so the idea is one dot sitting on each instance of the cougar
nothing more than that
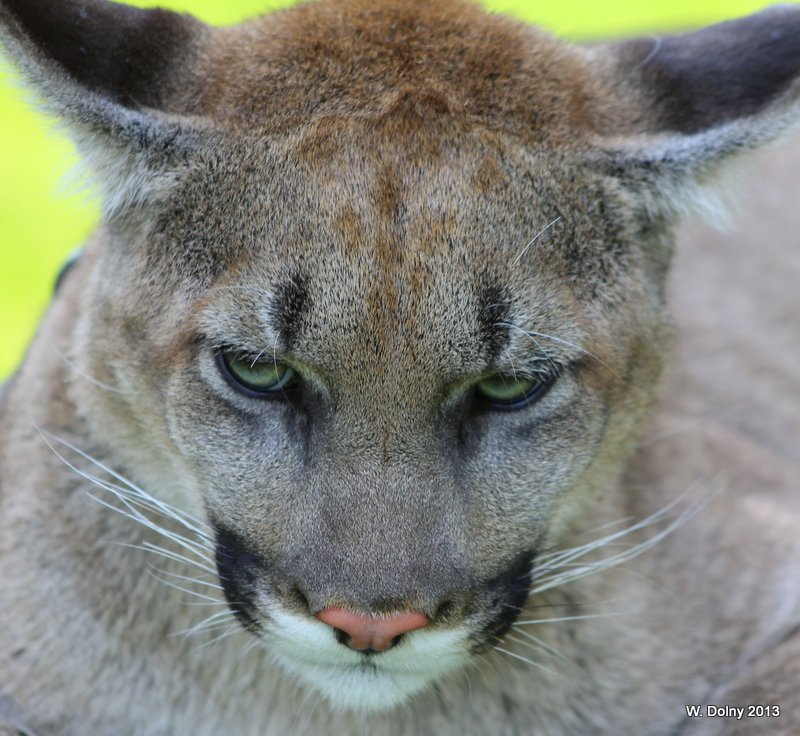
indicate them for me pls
(358, 412)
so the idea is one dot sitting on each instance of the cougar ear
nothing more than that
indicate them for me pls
(694, 101)
(121, 79)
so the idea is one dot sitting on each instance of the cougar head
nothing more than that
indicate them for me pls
(380, 292)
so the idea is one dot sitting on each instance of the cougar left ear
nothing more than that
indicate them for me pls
(120, 77)
(694, 101)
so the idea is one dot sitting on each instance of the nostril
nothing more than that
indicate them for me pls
(342, 636)
(371, 633)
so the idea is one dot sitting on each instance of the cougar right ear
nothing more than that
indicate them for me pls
(683, 106)
(120, 77)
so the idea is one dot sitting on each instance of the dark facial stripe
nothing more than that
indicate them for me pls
(510, 591)
(239, 568)
(492, 320)
(289, 305)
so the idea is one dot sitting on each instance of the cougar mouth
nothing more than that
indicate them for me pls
(351, 680)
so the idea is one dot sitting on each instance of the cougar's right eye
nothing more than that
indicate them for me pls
(255, 375)
(507, 393)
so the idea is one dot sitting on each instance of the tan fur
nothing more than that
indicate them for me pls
(398, 200)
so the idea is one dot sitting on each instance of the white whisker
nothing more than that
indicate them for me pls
(79, 371)
(230, 631)
(192, 524)
(560, 619)
(214, 620)
(519, 255)
(555, 565)
(526, 660)
(539, 646)
(183, 589)
(533, 335)
(168, 554)
(187, 578)
(559, 557)
(186, 544)
(133, 499)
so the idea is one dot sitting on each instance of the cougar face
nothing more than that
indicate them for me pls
(377, 307)
(377, 380)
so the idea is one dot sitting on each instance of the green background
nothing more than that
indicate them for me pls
(43, 217)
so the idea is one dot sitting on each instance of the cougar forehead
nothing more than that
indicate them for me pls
(452, 245)
(460, 146)
(332, 60)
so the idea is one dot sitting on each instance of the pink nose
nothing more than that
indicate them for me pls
(370, 632)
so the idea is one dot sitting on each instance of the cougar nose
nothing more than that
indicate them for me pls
(376, 633)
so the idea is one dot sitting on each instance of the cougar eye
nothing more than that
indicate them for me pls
(255, 375)
(508, 392)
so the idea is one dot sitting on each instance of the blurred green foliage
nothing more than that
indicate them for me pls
(43, 217)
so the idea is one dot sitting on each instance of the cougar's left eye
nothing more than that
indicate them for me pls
(255, 375)
(507, 392)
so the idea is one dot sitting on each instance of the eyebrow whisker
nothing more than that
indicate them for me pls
(532, 334)
(519, 255)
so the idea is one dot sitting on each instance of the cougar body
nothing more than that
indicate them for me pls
(449, 240)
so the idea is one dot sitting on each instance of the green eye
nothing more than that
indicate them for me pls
(508, 392)
(255, 375)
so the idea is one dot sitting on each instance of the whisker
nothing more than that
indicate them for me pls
(204, 543)
(558, 557)
(538, 645)
(135, 504)
(168, 554)
(179, 557)
(78, 371)
(560, 619)
(144, 521)
(213, 620)
(519, 255)
(192, 524)
(197, 581)
(535, 342)
(230, 631)
(181, 588)
(561, 578)
(533, 334)
(526, 660)
(205, 603)
(138, 497)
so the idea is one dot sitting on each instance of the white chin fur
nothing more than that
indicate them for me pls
(352, 681)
